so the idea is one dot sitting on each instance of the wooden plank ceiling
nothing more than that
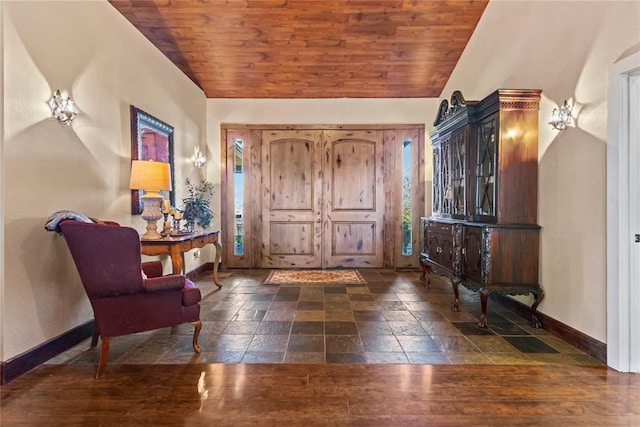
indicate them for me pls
(310, 48)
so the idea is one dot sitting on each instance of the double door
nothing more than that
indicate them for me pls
(322, 198)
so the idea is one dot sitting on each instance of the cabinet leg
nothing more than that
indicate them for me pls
(484, 296)
(538, 296)
(456, 305)
(426, 271)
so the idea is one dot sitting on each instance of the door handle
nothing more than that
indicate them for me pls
(637, 238)
(318, 220)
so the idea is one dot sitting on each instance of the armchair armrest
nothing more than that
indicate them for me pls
(164, 283)
(152, 268)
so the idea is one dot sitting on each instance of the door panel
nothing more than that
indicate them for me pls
(433, 244)
(291, 238)
(472, 268)
(353, 199)
(291, 199)
(353, 238)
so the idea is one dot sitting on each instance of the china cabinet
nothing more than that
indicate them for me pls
(483, 232)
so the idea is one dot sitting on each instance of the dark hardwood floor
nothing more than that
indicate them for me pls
(314, 395)
(388, 353)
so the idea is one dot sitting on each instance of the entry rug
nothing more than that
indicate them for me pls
(314, 277)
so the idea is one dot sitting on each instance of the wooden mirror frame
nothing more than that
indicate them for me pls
(143, 124)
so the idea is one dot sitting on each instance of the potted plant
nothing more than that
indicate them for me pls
(196, 208)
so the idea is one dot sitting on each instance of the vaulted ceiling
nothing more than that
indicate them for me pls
(310, 48)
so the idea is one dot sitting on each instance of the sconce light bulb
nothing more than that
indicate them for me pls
(198, 158)
(62, 108)
(561, 117)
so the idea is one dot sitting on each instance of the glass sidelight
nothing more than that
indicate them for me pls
(238, 185)
(407, 233)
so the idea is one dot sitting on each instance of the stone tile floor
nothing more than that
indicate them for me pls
(392, 319)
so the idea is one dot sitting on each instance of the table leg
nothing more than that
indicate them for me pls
(177, 260)
(216, 263)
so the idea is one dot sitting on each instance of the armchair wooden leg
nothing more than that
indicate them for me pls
(94, 338)
(104, 358)
(198, 325)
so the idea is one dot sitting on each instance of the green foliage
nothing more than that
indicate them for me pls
(406, 203)
(196, 206)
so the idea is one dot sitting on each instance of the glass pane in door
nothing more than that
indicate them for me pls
(238, 185)
(407, 234)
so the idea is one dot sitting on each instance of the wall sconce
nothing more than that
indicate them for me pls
(62, 108)
(198, 158)
(152, 177)
(561, 117)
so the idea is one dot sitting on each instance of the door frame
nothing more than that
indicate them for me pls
(252, 132)
(623, 299)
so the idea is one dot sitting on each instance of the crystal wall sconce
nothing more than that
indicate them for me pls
(198, 158)
(561, 117)
(62, 108)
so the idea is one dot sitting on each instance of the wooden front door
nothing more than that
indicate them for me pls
(291, 199)
(322, 198)
(353, 199)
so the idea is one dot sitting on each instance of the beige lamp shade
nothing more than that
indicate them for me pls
(150, 176)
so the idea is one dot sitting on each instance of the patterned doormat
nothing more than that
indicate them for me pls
(314, 277)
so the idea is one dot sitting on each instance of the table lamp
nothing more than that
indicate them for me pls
(151, 177)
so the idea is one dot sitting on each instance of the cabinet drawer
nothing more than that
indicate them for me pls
(199, 242)
(439, 227)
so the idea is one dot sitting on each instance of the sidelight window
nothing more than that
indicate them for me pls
(407, 235)
(238, 185)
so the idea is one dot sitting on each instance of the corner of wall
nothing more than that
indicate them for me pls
(2, 181)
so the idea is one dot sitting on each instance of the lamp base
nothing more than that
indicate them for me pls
(151, 213)
(152, 232)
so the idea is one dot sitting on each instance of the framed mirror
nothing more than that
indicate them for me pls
(151, 139)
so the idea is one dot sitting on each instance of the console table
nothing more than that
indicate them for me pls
(176, 246)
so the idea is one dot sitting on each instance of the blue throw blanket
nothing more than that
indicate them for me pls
(53, 222)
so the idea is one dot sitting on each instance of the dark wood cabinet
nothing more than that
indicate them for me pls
(441, 245)
(483, 231)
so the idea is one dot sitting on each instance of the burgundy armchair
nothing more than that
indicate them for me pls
(125, 300)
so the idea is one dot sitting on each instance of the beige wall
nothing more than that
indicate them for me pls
(2, 180)
(90, 50)
(565, 49)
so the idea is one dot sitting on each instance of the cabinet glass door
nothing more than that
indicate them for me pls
(447, 192)
(437, 179)
(486, 167)
(458, 148)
